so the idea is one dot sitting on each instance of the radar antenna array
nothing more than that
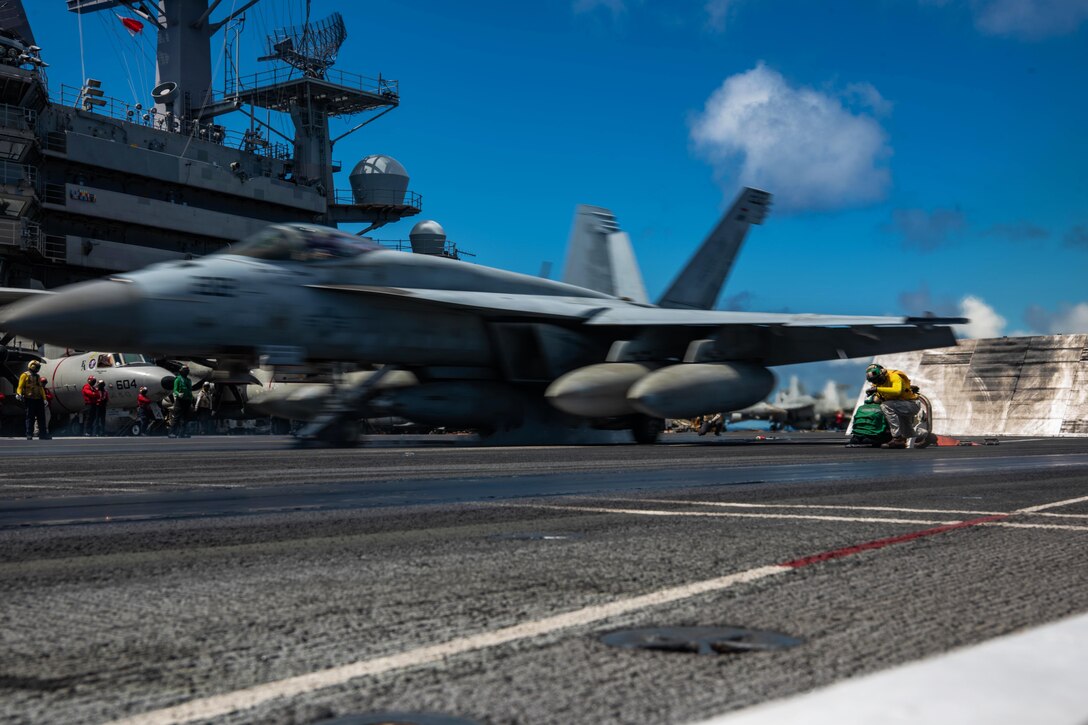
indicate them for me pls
(311, 47)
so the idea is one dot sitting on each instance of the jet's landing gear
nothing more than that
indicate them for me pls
(338, 434)
(338, 424)
(646, 429)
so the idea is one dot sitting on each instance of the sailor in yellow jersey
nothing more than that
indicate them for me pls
(31, 393)
(899, 403)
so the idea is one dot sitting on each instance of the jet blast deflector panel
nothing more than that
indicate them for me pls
(1034, 386)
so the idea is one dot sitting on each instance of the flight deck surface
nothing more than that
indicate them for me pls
(236, 580)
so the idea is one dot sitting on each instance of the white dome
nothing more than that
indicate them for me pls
(378, 164)
(427, 226)
(379, 180)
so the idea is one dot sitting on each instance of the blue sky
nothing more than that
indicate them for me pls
(924, 154)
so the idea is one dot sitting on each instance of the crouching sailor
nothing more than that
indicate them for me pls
(898, 401)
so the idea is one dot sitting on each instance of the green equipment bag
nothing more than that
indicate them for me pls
(869, 422)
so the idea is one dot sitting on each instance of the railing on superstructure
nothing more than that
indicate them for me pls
(377, 197)
(37, 69)
(21, 175)
(117, 109)
(27, 236)
(278, 75)
(17, 117)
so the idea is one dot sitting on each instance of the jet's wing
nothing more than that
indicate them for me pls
(572, 308)
(599, 256)
(656, 316)
(784, 339)
(700, 282)
(772, 339)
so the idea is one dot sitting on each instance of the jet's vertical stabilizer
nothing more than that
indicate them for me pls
(599, 256)
(698, 285)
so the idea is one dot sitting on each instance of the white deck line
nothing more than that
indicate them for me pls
(1034, 676)
(737, 514)
(218, 705)
(214, 706)
(1056, 504)
(1056, 527)
(836, 507)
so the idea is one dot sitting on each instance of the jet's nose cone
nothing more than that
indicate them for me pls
(101, 314)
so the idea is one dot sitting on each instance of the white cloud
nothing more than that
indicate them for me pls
(1023, 19)
(802, 145)
(1067, 320)
(868, 96)
(1029, 19)
(716, 13)
(984, 320)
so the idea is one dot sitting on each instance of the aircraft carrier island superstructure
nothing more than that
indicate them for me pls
(90, 185)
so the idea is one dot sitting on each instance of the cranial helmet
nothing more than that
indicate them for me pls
(875, 373)
(184, 370)
(34, 365)
(143, 390)
(90, 378)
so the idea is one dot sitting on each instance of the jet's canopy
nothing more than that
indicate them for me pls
(301, 243)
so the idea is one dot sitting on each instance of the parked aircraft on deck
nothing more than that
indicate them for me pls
(124, 373)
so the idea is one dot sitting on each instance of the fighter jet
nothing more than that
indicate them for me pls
(491, 349)
(599, 257)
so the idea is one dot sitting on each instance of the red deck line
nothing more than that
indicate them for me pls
(881, 543)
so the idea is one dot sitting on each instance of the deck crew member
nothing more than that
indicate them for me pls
(204, 409)
(898, 402)
(31, 392)
(143, 411)
(101, 403)
(183, 403)
(90, 409)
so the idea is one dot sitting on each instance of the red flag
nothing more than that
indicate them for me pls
(132, 25)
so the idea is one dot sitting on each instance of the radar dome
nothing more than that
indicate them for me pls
(379, 179)
(428, 237)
